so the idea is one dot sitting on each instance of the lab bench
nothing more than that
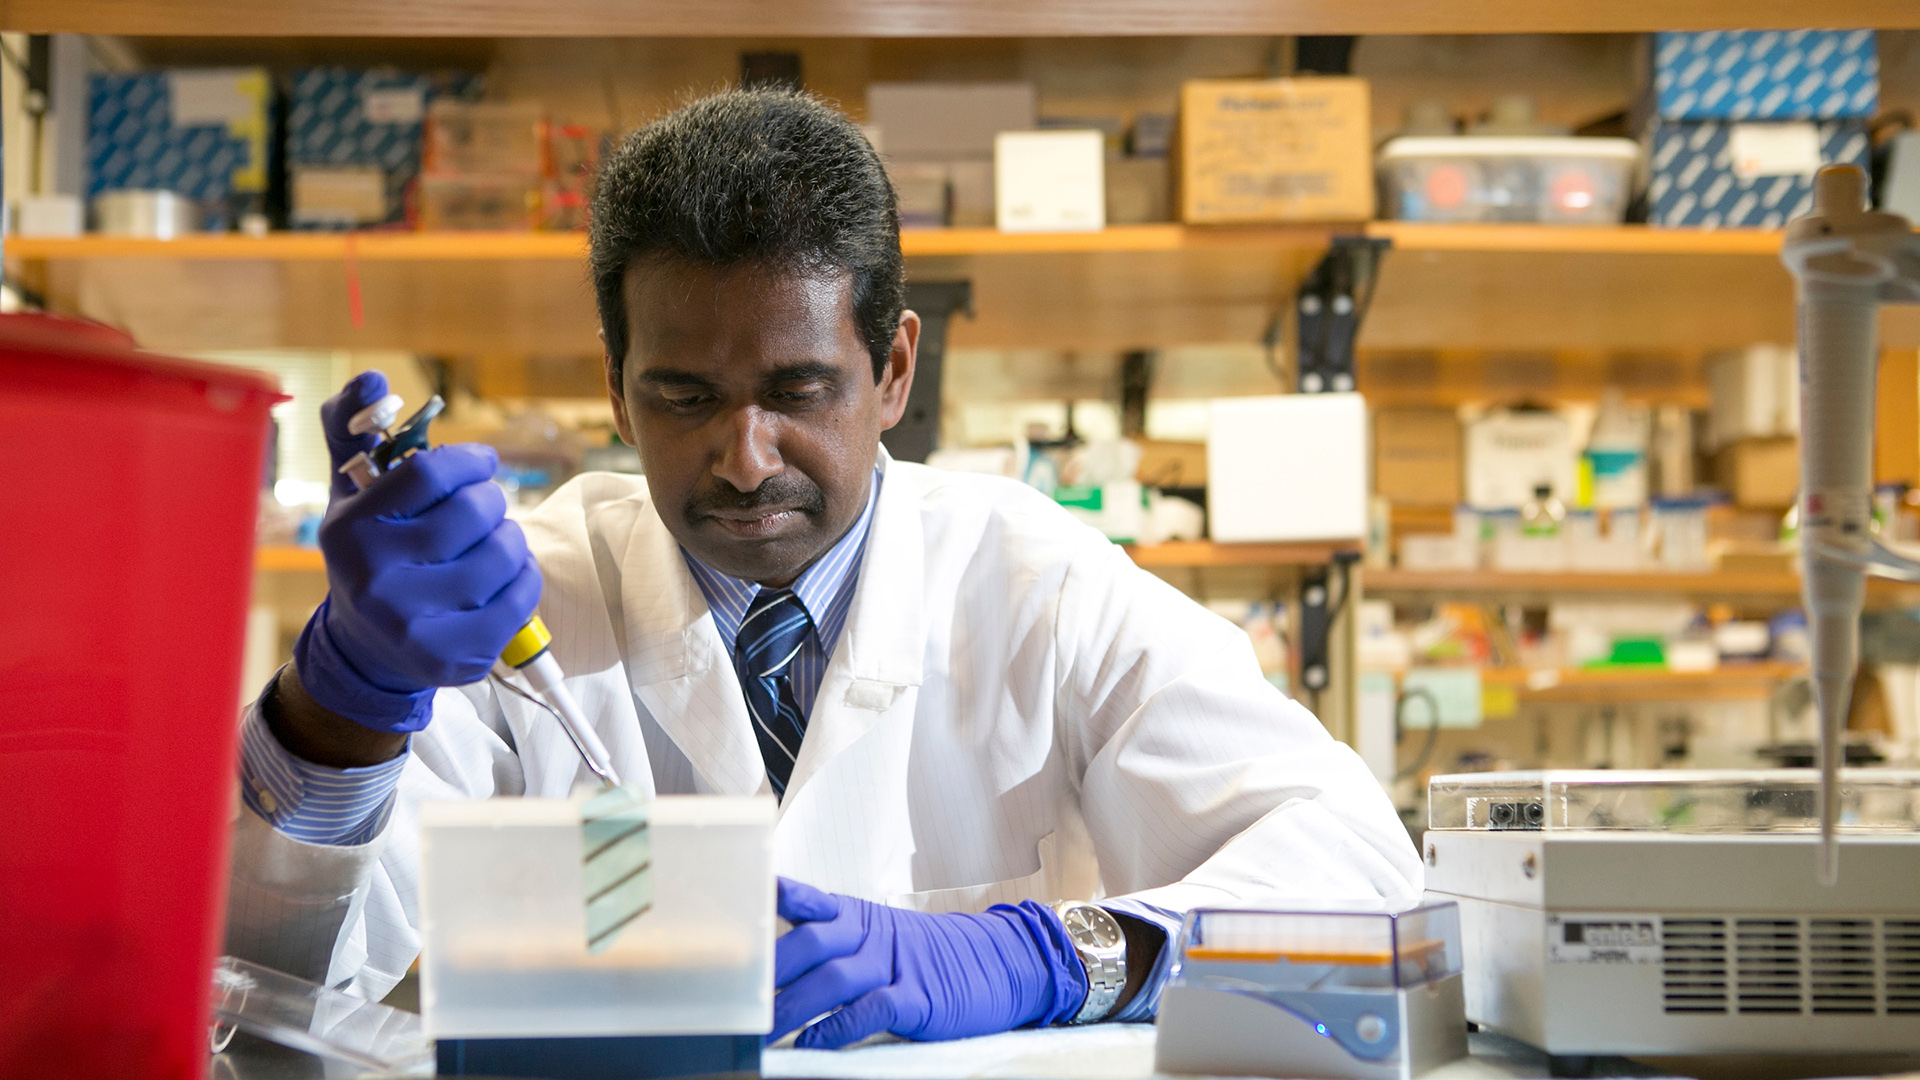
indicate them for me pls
(1095, 1052)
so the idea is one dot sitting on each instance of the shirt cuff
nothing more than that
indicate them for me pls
(313, 803)
(1147, 1002)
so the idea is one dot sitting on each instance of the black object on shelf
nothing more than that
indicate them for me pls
(918, 432)
(770, 71)
(1806, 755)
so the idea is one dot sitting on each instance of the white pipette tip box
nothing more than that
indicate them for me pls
(1315, 995)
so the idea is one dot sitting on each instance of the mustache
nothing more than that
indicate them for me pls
(783, 492)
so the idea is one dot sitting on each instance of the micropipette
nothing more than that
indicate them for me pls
(528, 652)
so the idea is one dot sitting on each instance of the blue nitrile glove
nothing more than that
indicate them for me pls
(426, 578)
(916, 975)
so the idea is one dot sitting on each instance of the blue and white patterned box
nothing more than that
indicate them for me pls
(1695, 183)
(203, 133)
(344, 117)
(1766, 75)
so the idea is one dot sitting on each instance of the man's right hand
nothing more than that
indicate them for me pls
(427, 581)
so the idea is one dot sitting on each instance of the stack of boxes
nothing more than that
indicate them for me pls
(1737, 123)
(202, 134)
(353, 142)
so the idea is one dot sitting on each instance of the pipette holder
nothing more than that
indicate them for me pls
(1314, 995)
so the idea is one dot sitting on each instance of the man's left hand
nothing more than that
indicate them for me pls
(877, 968)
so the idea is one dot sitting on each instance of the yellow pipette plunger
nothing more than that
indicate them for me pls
(528, 652)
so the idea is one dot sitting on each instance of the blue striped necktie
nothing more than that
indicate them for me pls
(770, 637)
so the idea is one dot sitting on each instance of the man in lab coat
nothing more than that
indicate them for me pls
(977, 713)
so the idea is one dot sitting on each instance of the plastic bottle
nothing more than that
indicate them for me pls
(1614, 467)
(1543, 514)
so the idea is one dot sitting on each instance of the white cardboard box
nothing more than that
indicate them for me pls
(1050, 181)
(1510, 453)
(1292, 467)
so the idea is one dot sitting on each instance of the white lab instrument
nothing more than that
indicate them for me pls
(1288, 467)
(505, 951)
(1314, 994)
(1677, 912)
(1846, 261)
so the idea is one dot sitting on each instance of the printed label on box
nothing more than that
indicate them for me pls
(1603, 939)
(202, 98)
(1774, 150)
(394, 105)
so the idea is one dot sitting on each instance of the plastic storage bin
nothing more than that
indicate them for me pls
(1553, 180)
(126, 558)
(503, 906)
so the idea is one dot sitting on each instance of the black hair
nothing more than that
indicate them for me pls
(771, 178)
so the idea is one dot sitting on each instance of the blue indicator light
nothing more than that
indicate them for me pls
(1321, 1028)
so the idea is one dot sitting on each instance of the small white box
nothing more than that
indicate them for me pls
(1754, 393)
(49, 215)
(1050, 181)
(1511, 453)
(1287, 468)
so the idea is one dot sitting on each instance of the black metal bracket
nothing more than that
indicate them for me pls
(918, 432)
(1320, 608)
(1330, 305)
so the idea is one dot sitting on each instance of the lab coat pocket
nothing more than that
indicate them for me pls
(1034, 886)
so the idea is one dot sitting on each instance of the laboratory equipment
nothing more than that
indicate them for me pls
(510, 985)
(125, 564)
(1845, 261)
(528, 652)
(320, 1020)
(1677, 912)
(1314, 994)
(1559, 180)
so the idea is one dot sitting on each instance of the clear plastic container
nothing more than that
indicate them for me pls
(1318, 951)
(1556, 180)
(503, 906)
(497, 201)
(306, 1016)
(466, 137)
(1671, 800)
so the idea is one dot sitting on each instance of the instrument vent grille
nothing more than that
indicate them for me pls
(1900, 939)
(1840, 966)
(1693, 956)
(1767, 964)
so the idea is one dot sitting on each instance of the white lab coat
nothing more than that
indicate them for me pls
(1013, 711)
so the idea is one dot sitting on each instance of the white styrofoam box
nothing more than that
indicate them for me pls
(49, 215)
(1511, 453)
(1755, 394)
(1292, 467)
(1050, 181)
(1900, 191)
(947, 120)
(503, 922)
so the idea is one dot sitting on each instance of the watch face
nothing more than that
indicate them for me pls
(1091, 927)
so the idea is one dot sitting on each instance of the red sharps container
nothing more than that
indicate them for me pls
(127, 511)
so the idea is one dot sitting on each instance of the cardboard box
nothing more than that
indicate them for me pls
(942, 121)
(1766, 75)
(1416, 457)
(361, 118)
(1734, 174)
(1292, 467)
(1050, 181)
(1275, 150)
(203, 133)
(1760, 474)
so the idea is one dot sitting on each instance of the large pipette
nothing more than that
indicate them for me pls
(1846, 261)
(527, 654)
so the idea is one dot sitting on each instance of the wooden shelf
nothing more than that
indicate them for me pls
(929, 18)
(1781, 589)
(1740, 682)
(1463, 287)
(1201, 554)
(289, 560)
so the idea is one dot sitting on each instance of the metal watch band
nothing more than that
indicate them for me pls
(1106, 965)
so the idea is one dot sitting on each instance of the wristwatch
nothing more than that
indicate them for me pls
(1102, 949)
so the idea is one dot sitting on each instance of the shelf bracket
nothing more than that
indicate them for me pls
(1330, 305)
(1320, 608)
(918, 432)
